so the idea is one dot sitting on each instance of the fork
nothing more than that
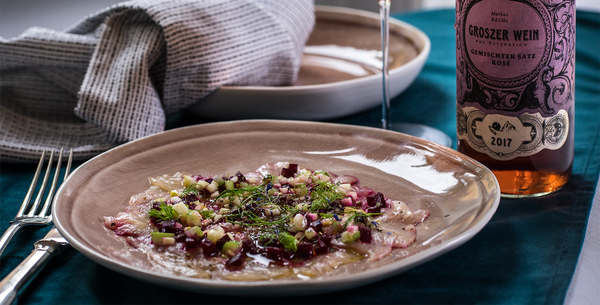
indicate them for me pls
(27, 214)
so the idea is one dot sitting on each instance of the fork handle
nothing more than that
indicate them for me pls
(27, 270)
(8, 234)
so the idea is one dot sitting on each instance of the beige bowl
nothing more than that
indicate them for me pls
(340, 72)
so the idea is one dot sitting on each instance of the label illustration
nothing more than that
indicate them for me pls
(515, 74)
(506, 137)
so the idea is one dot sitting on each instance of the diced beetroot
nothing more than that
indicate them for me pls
(305, 250)
(240, 177)
(275, 254)
(288, 256)
(156, 205)
(325, 239)
(249, 247)
(365, 234)
(290, 171)
(323, 244)
(376, 199)
(222, 241)
(192, 242)
(169, 226)
(208, 248)
(321, 248)
(236, 262)
(180, 237)
(189, 198)
(316, 225)
(376, 203)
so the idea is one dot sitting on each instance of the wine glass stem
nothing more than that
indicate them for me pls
(384, 10)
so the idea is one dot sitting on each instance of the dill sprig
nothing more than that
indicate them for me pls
(247, 193)
(288, 241)
(324, 194)
(166, 212)
(358, 214)
(193, 189)
(249, 218)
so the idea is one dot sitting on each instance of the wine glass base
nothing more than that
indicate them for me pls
(423, 132)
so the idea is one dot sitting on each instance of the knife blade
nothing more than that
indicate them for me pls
(52, 244)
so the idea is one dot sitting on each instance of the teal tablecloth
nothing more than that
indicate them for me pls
(526, 254)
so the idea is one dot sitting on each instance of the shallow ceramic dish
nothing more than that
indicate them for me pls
(460, 193)
(340, 72)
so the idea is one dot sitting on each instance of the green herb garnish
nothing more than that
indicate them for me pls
(193, 189)
(166, 212)
(288, 241)
(324, 193)
(360, 216)
(207, 214)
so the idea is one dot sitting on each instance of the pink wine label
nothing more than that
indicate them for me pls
(515, 61)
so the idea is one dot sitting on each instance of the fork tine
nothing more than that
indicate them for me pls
(50, 196)
(32, 186)
(41, 218)
(42, 190)
(68, 169)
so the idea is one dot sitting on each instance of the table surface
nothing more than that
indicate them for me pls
(528, 253)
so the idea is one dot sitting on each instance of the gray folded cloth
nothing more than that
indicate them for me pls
(116, 75)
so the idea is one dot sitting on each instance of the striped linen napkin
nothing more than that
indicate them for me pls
(117, 74)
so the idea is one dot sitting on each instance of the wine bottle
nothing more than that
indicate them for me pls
(515, 72)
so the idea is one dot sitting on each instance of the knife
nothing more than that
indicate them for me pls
(52, 244)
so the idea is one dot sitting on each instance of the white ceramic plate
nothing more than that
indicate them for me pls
(340, 73)
(460, 193)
